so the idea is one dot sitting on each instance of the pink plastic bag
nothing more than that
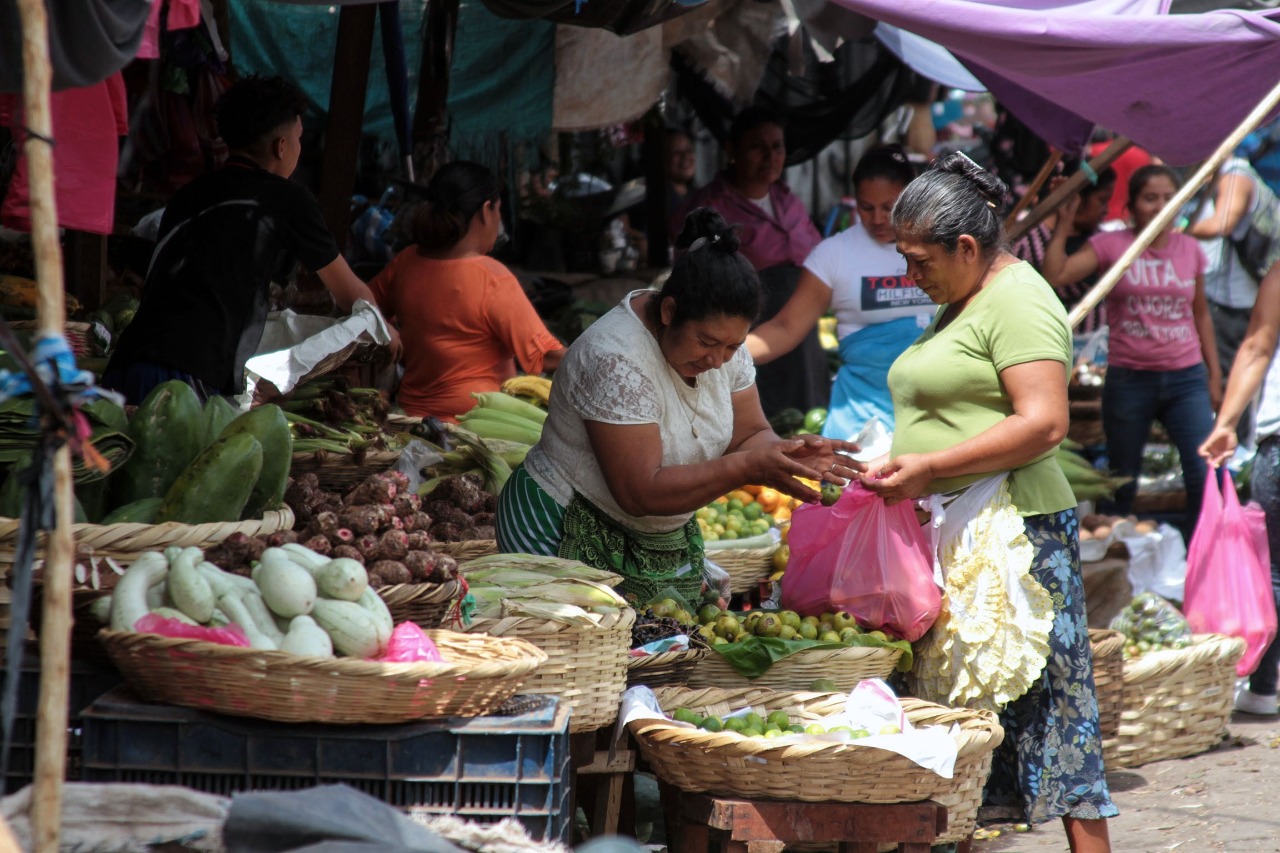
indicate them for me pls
(410, 645)
(1228, 589)
(152, 623)
(863, 557)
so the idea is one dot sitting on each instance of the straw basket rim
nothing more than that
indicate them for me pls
(846, 666)
(467, 549)
(130, 538)
(244, 681)
(746, 566)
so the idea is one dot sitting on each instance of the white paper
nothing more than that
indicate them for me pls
(292, 344)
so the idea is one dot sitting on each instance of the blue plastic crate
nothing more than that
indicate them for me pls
(88, 682)
(483, 768)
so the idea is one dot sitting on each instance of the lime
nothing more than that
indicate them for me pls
(711, 724)
(779, 719)
(814, 729)
(890, 729)
(684, 715)
(734, 724)
(754, 721)
(815, 419)
(859, 733)
(735, 503)
(752, 733)
(796, 730)
(772, 733)
(824, 685)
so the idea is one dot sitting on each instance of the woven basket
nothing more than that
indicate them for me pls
(338, 472)
(746, 566)
(1108, 678)
(479, 673)
(400, 423)
(729, 764)
(666, 669)
(79, 337)
(424, 604)
(845, 667)
(468, 549)
(1176, 703)
(586, 666)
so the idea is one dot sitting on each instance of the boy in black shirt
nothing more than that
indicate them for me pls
(223, 238)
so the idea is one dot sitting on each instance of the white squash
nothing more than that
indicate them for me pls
(307, 638)
(353, 630)
(233, 605)
(262, 616)
(129, 599)
(188, 588)
(287, 588)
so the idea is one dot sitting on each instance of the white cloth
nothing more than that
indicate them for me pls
(1267, 421)
(1226, 281)
(615, 373)
(868, 281)
(766, 204)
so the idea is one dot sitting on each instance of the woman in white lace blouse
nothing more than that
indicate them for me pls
(654, 413)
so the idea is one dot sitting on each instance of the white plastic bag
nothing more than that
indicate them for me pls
(1158, 562)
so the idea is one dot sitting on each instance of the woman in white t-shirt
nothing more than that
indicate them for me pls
(858, 274)
(654, 414)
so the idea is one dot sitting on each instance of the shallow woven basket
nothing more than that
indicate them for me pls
(468, 549)
(338, 472)
(729, 764)
(1108, 678)
(400, 423)
(424, 604)
(1176, 703)
(479, 673)
(746, 566)
(665, 669)
(845, 667)
(586, 665)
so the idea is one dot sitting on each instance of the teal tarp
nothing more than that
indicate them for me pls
(297, 42)
(502, 82)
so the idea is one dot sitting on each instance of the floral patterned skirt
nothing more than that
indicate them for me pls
(1050, 762)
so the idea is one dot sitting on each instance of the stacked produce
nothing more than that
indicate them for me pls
(328, 414)
(1087, 482)
(296, 601)
(720, 627)
(191, 464)
(650, 628)
(777, 724)
(489, 459)
(545, 587)
(1151, 624)
(746, 514)
(1102, 527)
(532, 389)
(461, 509)
(379, 525)
(503, 416)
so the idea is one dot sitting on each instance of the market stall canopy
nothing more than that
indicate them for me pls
(89, 40)
(620, 16)
(1171, 83)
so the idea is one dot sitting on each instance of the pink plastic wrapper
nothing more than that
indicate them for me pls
(165, 627)
(410, 645)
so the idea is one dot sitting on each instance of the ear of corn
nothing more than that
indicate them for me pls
(500, 402)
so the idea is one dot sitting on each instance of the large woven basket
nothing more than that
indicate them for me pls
(468, 549)
(665, 669)
(479, 673)
(586, 665)
(400, 423)
(746, 566)
(1176, 703)
(845, 667)
(729, 764)
(338, 472)
(424, 604)
(1108, 678)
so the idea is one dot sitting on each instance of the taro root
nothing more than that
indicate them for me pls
(446, 569)
(391, 571)
(445, 532)
(319, 544)
(489, 504)
(361, 520)
(393, 545)
(418, 521)
(407, 505)
(350, 552)
(444, 513)
(419, 540)
(282, 537)
(484, 519)
(374, 490)
(464, 492)
(421, 564)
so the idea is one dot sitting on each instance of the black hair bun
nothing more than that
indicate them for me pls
(994, 190)
(707, 225)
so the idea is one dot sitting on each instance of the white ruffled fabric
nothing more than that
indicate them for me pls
(991, 640)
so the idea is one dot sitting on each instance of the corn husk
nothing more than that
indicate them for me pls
(553, 567)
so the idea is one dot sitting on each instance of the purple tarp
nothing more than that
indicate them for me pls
(1174, 84)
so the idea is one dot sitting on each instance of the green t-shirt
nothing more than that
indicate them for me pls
(946, 386)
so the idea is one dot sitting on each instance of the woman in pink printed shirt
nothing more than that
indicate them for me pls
(1162, 362)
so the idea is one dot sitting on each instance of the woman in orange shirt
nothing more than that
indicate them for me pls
(464, 319)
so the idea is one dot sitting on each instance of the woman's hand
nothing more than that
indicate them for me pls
(776, 464)
(827, 455)
(1219, 446)
(902, 479)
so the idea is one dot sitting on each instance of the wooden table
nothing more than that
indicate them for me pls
(764, 826)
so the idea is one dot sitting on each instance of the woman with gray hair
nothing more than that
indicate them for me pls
(980, 402)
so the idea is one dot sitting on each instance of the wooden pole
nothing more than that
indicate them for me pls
(55, 633)
(1070, 186)
(1055, 157)
(1170, 211)
(345, 122)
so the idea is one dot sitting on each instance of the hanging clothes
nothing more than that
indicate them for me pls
(87, 123)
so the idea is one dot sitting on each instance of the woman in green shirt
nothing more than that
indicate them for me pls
(983, 393)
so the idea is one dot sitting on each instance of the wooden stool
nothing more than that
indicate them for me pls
(604, 787)
(764, 826)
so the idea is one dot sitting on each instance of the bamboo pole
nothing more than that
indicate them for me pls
(55, 634)
(1069, 187)
(1054, 158)
(1166, 216)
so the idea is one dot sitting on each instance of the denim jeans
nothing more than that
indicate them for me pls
(1265, 490)
(1179, 399)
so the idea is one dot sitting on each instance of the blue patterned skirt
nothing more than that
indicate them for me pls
(1050, 762)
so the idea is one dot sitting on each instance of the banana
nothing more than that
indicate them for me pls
(536, 387)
